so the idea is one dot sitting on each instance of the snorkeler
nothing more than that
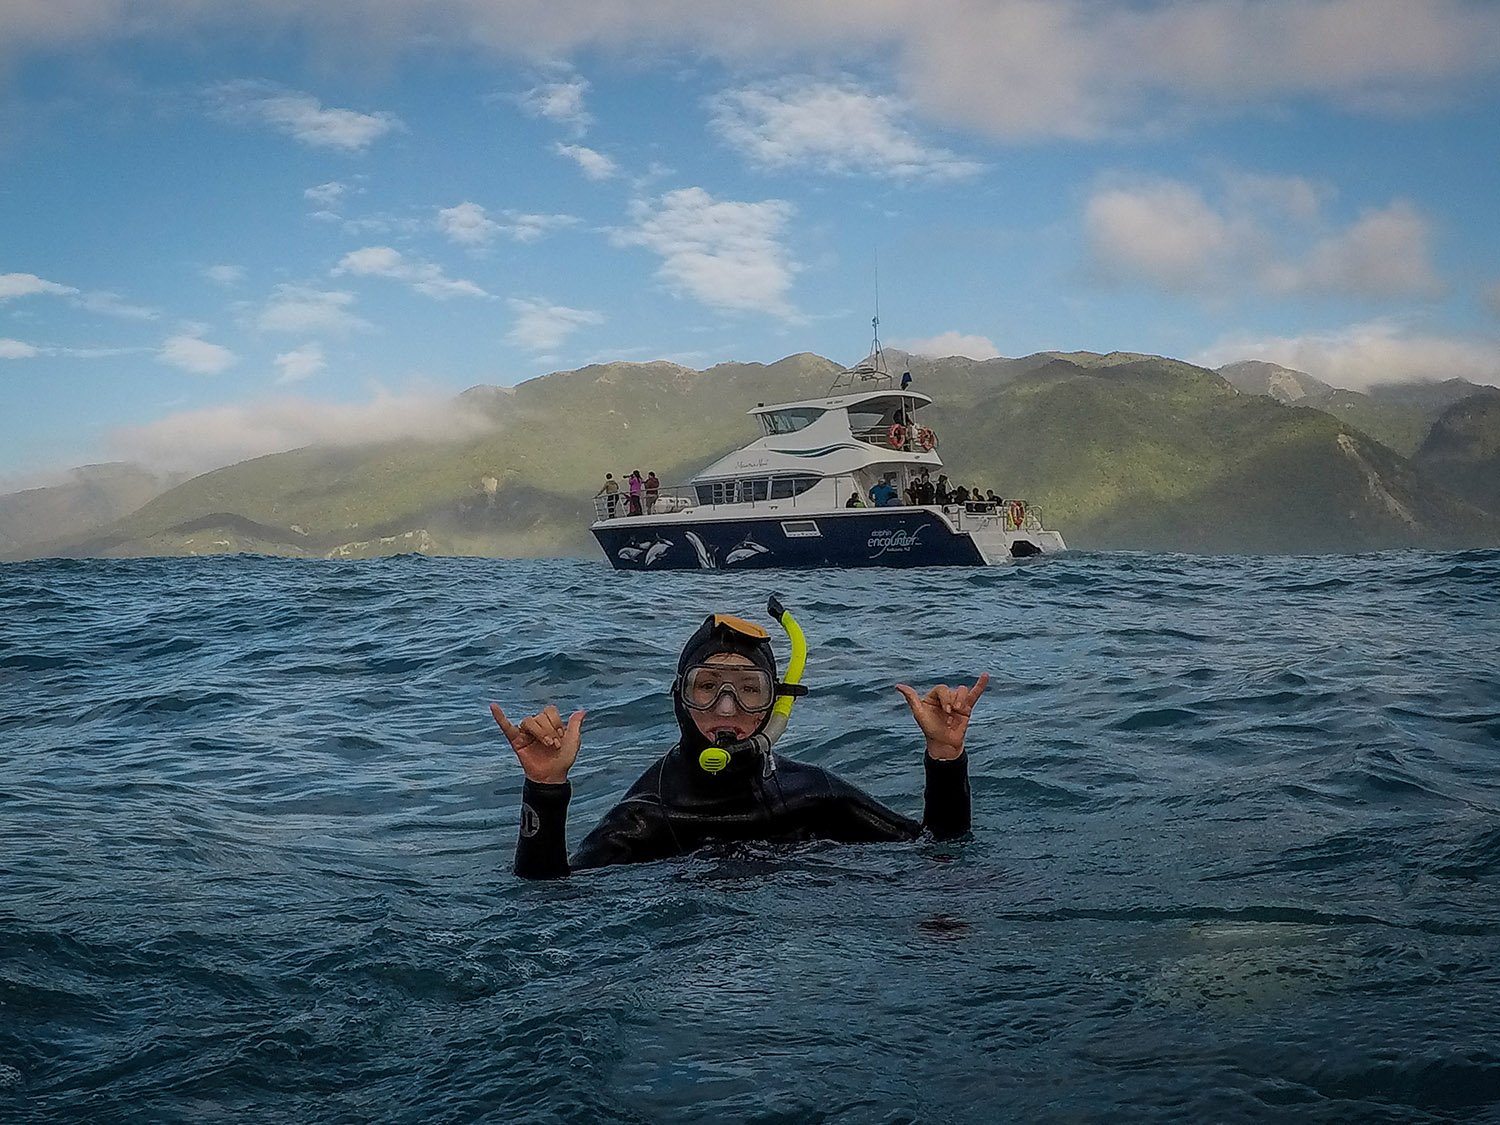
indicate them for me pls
(722, 781)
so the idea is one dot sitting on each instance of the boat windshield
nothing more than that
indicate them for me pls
(790, 421)
(870, 421)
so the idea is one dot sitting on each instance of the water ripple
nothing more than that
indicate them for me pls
(1235, 852)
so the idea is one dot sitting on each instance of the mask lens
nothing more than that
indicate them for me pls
(704, 684)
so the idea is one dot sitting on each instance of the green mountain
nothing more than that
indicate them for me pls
(1150, 453)
(1433, 398)
(1119, 450)
(92, 496)
(1463, 449)
(1398, 415)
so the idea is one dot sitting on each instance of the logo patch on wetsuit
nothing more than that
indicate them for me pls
(531, 824)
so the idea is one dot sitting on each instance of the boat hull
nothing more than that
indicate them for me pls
(856, 537)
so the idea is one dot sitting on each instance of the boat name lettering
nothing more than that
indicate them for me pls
(890, 541)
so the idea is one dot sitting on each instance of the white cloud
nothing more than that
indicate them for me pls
(1264, 234)
(1385, 253)
(327, 196)
(595, 165)
(16, 349)
(112, 304)
(951, 343)
(302, 116)
(541, 326)
(195, 356)
(14, 285)
(1364, 355)
(727, 255)
(379, 260)
(425, 277)
(1023, 68)
(561, 102)
(829, 128)
(197, 440)
(1165, 234)
(226, 276)
(300, 363)
(467, 224)
(523, 227)
(1010, 68)
(302, 310)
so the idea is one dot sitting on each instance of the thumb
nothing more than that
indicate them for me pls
(574, 734)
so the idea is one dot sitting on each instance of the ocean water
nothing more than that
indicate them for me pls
(1236, 848)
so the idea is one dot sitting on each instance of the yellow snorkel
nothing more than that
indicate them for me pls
(782, 711)
(715, 758)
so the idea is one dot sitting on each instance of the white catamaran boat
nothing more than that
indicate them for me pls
(781, 501)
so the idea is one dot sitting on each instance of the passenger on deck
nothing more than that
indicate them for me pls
(924, 488)
(883, 495)
(611, 494)
(854, 500)
(637, 486)
(653, 490)
(941, 493)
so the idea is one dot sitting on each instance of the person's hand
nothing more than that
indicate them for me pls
(544, 745)
(943, 714)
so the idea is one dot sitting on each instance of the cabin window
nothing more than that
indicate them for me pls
(800, 529)
(790, 421)
(784, 488)
(733, 491)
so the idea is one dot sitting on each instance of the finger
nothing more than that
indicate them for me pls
(913, 700)
(978, 689)
(943, 698)
(554, 719)
(539, 729)
(507, 728)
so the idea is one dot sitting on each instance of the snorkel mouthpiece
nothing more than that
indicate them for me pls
(716, 758)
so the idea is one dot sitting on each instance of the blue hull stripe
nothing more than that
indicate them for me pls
(860, 537)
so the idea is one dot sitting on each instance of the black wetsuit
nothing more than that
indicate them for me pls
(676, 808)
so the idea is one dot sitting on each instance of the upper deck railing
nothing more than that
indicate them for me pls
(1013, 514)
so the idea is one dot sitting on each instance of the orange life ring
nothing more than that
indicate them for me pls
(896, 435)
(1017, 514)
(926, 439)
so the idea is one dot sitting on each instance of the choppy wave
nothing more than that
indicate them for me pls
(1236, 851)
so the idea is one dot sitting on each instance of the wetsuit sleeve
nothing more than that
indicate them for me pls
(862, 819)
(945, 805)
(633, 831)
(542, 847)
(855, 817)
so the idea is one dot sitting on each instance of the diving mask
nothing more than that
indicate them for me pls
(703, 685)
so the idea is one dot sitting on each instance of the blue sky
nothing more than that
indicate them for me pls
(227, 230)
